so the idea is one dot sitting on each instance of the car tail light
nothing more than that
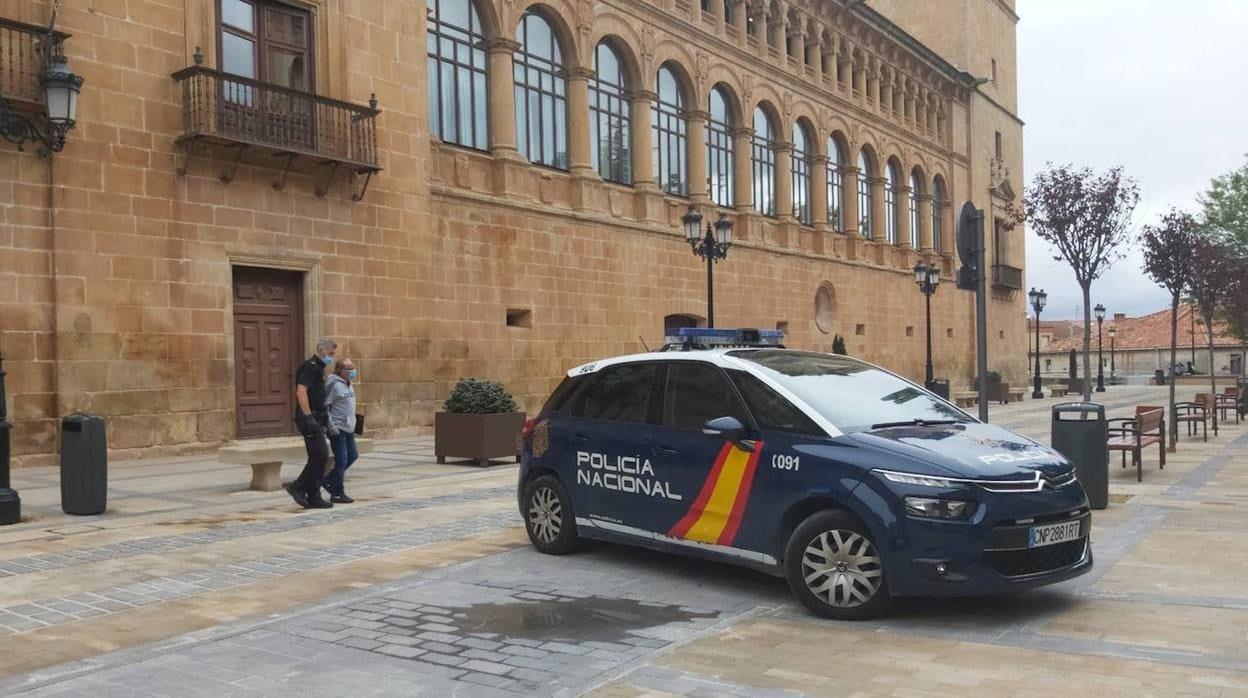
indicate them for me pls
(527, 431)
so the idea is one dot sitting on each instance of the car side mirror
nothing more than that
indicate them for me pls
(729, 429)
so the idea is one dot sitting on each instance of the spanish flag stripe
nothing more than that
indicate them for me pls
(710, 525)
(695, 510)
(743, 498)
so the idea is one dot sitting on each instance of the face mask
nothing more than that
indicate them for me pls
(327, 360)
(352, 374)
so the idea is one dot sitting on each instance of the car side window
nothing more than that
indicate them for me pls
(771, 409)
(696, 393)
(621, 393)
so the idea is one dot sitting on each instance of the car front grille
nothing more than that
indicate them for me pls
(1028, 561)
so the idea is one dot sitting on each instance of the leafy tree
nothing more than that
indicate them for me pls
(1214, 273)
(1085, 217)
(1169, 255)
(1225, 207)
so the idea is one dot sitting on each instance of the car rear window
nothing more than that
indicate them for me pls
(564, 392)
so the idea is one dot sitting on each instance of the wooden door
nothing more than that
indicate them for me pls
(268, 347)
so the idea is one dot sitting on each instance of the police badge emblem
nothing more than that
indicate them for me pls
(541, 438)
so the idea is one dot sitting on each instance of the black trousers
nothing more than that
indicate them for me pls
(318, 456)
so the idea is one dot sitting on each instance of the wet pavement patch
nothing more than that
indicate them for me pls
(574, 619)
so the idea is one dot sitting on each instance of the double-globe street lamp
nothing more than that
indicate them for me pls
(1038, 299)
(1113, 333)
(927, 276)
(1100, 354)
(713, 246)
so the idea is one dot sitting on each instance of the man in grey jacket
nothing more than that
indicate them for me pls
(340, 409)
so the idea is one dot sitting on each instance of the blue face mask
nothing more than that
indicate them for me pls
(327, 360)
(352, 374)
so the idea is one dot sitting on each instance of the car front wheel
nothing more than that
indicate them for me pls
(835, 569)
(548, 517)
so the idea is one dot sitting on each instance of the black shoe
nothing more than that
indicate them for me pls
(319, 503)
(297, 494)
(340, 498)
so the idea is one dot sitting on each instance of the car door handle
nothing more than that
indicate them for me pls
(665, 451)
(580, 438)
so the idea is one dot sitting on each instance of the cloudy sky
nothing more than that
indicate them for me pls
(1157, 86)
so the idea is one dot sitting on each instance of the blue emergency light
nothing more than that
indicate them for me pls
(692, 338)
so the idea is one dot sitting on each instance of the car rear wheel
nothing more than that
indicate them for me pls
(835, 569)
(548, 517)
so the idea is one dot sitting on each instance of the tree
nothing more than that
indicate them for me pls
(1214, 272)
(1169, 251)
(1225, 207)
(1085, 217)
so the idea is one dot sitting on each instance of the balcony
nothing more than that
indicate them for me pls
(1007, 278)
(262, 120)
(24, 49)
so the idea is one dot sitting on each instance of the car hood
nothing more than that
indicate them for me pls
(968, 450)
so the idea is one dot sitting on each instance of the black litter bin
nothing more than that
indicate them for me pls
(1159, 377)
(84, 465)
(939, 386)
(1080, 433)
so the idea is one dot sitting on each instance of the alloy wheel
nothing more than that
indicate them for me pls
(545, 514)
(842, 568)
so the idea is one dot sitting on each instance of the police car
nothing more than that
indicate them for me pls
(855, 484)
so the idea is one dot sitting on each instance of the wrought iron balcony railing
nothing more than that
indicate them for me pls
(224, 109)
(24, 50)
(1007, 277)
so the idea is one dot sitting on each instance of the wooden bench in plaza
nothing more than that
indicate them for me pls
(265, 457)
(1148, 427)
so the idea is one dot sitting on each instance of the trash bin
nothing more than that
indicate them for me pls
(1159, 377)
(84, 465)
(939, 386)
(1080, 433)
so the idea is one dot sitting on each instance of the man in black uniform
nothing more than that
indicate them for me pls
(310, 420)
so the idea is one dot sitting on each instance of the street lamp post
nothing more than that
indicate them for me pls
(1038, 299)
(927, 276)
(60, 87)
(1113, 333)
(712, 247)
(10, 503)
(1100, 360)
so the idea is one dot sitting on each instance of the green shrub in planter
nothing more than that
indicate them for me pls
(471, 396)
(838, 345)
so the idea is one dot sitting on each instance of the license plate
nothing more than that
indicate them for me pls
(1052, 534)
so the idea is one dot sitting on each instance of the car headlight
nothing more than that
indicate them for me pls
(946, 509)
(920, 480)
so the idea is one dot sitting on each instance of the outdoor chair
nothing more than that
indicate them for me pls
(1199, 411)
(1148, 427)
(1229, 400)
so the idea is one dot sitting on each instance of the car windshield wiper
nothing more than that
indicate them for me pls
(916, 422)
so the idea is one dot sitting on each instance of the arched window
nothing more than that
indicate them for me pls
(890, 203)
(836, 189)
(719, 148)
(801, 175)
(865, 197)
(763, 164)
(541, 93)
(458, 102)
(610, 149)
(938, 204)
(916, 190)
(671, 142)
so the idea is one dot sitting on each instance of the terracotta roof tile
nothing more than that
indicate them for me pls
(1148, 332)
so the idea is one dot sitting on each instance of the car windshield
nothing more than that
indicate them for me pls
(852, 395)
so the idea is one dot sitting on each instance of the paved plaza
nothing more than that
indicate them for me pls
(193, 585)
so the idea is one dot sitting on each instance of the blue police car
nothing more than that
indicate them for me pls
(855, 484)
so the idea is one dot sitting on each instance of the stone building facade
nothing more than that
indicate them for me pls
(247, 175)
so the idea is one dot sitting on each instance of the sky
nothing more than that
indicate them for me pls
(1157, 86)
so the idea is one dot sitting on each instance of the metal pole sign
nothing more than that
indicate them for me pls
(972, 276)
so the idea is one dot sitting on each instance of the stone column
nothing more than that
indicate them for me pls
(853, 233)
(872, 89)
(741, 180)
(879, 231)
(798, 54)
(737, 18)
(819, 191)
(761, 29)
(784, 182)
(649, 196)
(814, 57)
(903, 217)
(717, 12)
(578, 122)
(925, 222)
(502, 101)
(696, 151)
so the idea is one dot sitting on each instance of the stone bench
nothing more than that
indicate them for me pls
(265, 457)
(966, 398)
(1016, 394)
(1058, 390)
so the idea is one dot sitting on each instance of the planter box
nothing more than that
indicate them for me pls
(479, 437)
(998, 392)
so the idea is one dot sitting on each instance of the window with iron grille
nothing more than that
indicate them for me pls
(890, 203)
(800, 171)
(916, 190)
(719, 145)
(671, 142)
(610, 112)
(458, 99)
(763, 164)
(541, 93)
(865, 195)
(836, 188)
